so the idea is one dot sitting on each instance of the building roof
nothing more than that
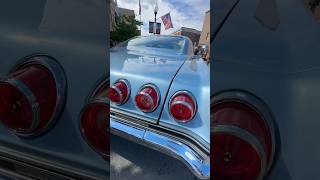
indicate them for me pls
(125, 12)
(190, 30)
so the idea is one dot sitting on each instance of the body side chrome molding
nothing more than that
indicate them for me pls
(144, 122)
(45, 164)
(197, 162)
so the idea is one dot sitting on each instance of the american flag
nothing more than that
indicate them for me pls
(166, 19)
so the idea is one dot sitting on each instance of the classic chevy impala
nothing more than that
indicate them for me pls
(159, 94)
(53, 117)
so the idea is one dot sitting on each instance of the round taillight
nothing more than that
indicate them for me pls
(182, 106)
(243, 143)
(32, 96)
(147, 99)
(119, 92)
(15, 107)
(94, 121)
(94, 126)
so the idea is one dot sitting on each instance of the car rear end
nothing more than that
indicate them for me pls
(154, 86)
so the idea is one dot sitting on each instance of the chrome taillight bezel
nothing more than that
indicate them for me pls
(58, 74)
(188, 93)
(153, 86)
(126, 82)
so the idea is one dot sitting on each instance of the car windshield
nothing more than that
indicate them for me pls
(172, 43)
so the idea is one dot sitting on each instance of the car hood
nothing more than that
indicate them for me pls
(143, 67)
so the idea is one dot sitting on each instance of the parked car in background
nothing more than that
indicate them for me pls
(159, 97)
(53, 87)
(265, 90)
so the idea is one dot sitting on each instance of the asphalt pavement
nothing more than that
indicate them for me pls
(131, 161)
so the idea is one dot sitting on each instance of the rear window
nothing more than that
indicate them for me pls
(172, 43)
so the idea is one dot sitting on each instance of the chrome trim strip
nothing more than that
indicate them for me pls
(249, 138)
(130, 130)
(60, 168)
(193, 99)
(5, 173)
(14, 169)
(199, 164)
(135, 116)
(143, 121)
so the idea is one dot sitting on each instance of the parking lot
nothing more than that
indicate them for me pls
(130, 161)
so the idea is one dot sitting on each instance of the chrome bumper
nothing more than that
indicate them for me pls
(195, 159)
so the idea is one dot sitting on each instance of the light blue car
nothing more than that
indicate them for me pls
(159, 97)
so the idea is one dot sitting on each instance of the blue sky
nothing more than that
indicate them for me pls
(184, 13)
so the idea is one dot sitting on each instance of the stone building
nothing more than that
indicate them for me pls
(193, 34)
(125, 12)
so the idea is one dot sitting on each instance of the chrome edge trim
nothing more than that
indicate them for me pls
(51, 166)
(142, 120)
(129, 114)
(198, 164)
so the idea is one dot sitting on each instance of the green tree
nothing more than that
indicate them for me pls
(126, 28)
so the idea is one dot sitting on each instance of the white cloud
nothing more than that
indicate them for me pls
(191, 14)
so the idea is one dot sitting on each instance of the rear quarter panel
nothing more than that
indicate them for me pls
(281, 67)
(193, 76)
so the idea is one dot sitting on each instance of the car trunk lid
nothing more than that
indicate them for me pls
(144, 67)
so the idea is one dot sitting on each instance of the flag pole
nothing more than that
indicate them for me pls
(140, 25)
(140, 9)
(155, 17)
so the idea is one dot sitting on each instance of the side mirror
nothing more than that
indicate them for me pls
(202, 51)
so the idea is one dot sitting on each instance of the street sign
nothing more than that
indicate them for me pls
(151, 27)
